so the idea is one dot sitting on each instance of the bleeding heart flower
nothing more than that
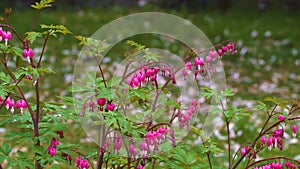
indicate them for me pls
(281, 118)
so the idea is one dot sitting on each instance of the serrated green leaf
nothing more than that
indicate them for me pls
(6, 148)
(39, 150)
(228, 92)
(261, 105)
(137, 45)
(32, 36)
(45, 70)
(2, 158)
(4, 48)
(195, 130)
(4, 77)
(208, 92)
(53, 29)
(83, 40)
(43, 4)
(16, 51)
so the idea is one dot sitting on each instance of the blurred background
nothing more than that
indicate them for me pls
(266, 31)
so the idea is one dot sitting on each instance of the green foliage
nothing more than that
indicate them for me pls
(14, 51)
(178, 157)
(5, 86)
(92, 47)
(43, 4)
(208, 92)
(32, 36)
(149, 56)
(233, 112)
(52, 30)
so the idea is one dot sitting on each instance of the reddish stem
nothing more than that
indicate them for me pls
(14, 31)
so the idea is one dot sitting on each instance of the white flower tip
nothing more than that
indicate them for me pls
(34, 83)
(270, 148)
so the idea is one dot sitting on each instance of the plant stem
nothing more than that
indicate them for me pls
(128, 162)
(36, 121)
(43, 50)
(100, 154)
(153, 164)
(209, 161)
(159, 124)
(13, 30)
(35, 19)
(228, 134)
(228, 142)
(207, 153)
(100, 158)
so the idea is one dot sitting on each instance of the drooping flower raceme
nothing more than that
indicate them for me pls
(118, 142)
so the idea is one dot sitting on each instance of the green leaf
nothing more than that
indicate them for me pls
(2, 158)
(106, 92)
(32, 36)
(173, 103)
(137, 45)
(45, 70)
(4, 48)
(228, 92)
(234, 112)
(39, 150)
(4, 77)
(208, 92)
(16, 135)
(196, 130)
(16, 51)
(83, 40)
(42, 4)
(53, 29)
(6, 148)
(215, 109)
(261, 105)
(11, 163)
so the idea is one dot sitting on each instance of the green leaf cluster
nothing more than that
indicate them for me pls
(43, 4)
